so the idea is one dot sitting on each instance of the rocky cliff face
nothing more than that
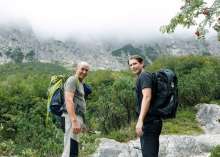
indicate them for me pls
(66, 52)
(100, 53)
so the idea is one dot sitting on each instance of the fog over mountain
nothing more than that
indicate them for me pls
(19, 43)
(103, 33)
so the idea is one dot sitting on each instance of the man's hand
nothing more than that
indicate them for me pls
(76, 126)
(139, 127)
(84, 129)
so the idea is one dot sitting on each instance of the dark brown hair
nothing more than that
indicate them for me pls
(137, 57)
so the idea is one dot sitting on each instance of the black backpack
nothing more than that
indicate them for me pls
(164, 94)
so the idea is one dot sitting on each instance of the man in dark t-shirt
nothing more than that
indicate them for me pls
(148, 127)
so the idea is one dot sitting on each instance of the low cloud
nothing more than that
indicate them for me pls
(127, 18)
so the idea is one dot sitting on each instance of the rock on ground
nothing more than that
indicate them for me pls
(173, 145)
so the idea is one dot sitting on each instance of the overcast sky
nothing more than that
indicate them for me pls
(96, 17)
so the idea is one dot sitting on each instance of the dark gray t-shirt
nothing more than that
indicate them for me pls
(72, 84)
(144, 80)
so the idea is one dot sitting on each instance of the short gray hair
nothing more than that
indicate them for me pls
(83, 63)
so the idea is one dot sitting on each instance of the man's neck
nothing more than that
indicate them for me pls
(80, 80)
(142, 70)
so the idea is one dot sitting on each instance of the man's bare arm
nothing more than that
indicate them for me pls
(145, 105)
(71, 111)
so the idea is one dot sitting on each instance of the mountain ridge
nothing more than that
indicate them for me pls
(106, 53)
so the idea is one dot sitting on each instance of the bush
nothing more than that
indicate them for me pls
(7, 147)
(112, 105)
(215, 151)
(23, 111)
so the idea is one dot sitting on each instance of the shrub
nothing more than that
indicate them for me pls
(215, 151)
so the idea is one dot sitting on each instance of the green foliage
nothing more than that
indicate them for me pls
(215, 151)
(184, 123)
(88, 144)
(215, 102)
(28, 70)
(124, 134)
(15, 54)
(110, 108)
(147, 52)
(112, 104)
(30, 55)
(7, 147)
(28, 153)
(23, 110)
(123, 95)
(127, 50)
(196, 13)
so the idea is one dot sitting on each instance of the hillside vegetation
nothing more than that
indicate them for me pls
(24, 130)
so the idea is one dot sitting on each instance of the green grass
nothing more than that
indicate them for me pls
(215, 102)
(185, 123)
(88, 144)
(124, 134)
(215, 151)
